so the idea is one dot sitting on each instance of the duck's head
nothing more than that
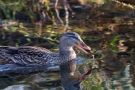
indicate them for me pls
(71, 39)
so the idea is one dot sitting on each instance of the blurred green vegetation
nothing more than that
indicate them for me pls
(22, 22)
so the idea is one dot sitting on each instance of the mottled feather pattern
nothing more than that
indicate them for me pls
(32, 55)
(25, 55)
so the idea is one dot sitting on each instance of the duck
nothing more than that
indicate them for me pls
(33, 55)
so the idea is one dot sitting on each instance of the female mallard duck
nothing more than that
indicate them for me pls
(28, 55)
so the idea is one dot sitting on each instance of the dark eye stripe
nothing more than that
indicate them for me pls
(73, 37)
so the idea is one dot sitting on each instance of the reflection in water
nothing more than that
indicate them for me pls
(70, 81)
(49, 80)
(132, 69)
(117, 68)
(110, 62)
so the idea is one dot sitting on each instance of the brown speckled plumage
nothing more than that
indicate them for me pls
(32, 55)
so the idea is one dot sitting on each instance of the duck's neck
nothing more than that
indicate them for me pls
(67, 53)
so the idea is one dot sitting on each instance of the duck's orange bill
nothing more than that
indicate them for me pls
(85, 48)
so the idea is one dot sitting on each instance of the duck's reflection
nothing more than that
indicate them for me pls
(70, 81)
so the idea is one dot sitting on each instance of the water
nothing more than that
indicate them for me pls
(105, 29)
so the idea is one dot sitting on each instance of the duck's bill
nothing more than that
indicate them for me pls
(81, 45)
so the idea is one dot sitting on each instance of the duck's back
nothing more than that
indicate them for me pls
(24, 55)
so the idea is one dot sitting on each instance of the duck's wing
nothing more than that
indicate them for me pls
(24, 55)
